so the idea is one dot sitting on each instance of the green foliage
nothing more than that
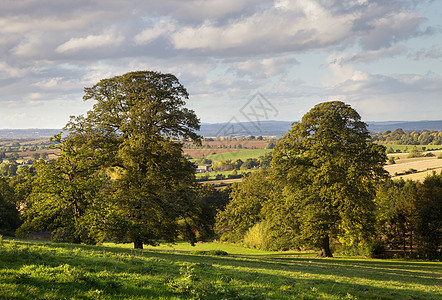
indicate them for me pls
(429, 225)
(209, 201)
(270, 145)
(398, 136)
(415, 153)
(409, 216)
(265, 160)
(257, 236)
(9, 216)
(245, 208)
(67, 198)
(329, 171)
(133, 130)
(8, 169)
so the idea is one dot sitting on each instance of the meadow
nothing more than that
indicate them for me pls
(241, 154)
(43, 270)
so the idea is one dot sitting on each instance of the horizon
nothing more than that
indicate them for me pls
(251, 122)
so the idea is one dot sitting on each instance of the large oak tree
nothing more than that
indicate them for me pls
(329, 169)
(130, 136)
(133, 130)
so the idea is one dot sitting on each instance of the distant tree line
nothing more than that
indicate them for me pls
(400, 137)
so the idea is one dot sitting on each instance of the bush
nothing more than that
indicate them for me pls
(377, 249)
(429, 154)
(211, 252)
(219, 176)
(257, 236)
(415, 153)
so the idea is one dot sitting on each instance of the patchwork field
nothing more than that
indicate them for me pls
(32, 270)
(422, 165)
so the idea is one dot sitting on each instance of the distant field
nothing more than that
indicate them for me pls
(242, 154)
(198, 153)
(30, 270)
(215, 147)
(424, 165)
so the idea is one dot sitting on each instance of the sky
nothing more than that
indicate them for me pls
(384, 58)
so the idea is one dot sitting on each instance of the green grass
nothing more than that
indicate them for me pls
(241, 154)
(32, 270)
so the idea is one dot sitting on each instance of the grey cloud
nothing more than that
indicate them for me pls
(388, 97)
(371, 55)
(435, 52)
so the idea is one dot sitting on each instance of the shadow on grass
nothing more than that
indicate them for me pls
(276, 275)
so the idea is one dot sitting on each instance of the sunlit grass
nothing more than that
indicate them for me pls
(31, 270)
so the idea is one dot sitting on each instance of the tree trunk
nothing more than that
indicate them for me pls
(325, 250)
(138, 243)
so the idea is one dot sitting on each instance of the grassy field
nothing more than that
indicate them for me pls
(240, 154)
(31, 270)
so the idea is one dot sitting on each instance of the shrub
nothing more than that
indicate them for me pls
(211, 252)
(415, 153)
(377, 249)
(257, 236)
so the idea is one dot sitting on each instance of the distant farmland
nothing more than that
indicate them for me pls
(218, 146)
(418, 167)
(242, 154)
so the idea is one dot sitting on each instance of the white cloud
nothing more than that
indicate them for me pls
(49, 83)
(266, 67)
(91, 42)
(302, 25)
(150, 34)
(7, 71)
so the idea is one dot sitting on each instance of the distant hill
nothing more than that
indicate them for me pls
(376, 127)
(277, 128)
(28, 133)
(264, 128)
(234, 128)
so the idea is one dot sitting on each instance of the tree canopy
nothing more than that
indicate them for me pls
(130, 135)
(329, 169)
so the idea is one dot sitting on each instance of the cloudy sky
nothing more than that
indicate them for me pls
(382, 57)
